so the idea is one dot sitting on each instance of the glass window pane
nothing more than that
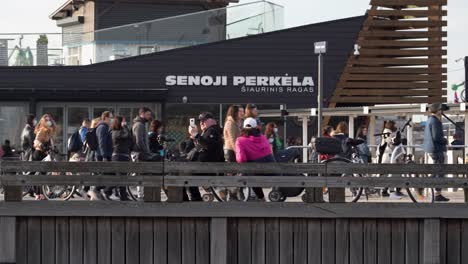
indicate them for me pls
(12, 121)
(97, 111)
(75, 118)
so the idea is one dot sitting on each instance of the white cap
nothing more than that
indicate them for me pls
(250, 123)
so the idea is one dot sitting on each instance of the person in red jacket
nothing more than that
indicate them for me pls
(253, 146)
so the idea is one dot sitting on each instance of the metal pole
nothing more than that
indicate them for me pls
(319, 98)
(320, 95)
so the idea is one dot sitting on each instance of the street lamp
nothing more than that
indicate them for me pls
(320, 48)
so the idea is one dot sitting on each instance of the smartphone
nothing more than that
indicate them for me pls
(192, 122)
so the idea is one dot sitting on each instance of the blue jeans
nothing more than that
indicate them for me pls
(438, 158)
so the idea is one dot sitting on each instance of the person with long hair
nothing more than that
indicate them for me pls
(251, 110)
(363, 148)
(385, 150)
(43, 143)
(122, 144)
(252, 146)
(231, 131)
(271, 133)
(155, 130)
(327, 132)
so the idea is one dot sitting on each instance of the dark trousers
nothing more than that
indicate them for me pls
(438, 158)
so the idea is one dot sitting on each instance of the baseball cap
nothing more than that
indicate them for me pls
(250, 123)
(205, 116)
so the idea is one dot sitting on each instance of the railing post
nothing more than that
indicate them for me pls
(175, 194)
(218, 241)
(431, 241)
(313, 195)
(153, 194)
(13, 193)
(8, 240)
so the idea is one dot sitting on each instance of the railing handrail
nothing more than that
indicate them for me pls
(159, 174)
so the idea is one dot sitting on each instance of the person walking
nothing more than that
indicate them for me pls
(208, 143)
(27, 138)
(155, 131)
(363, 148)
(140, 135)
(251, 110)
(435, 144)
(231, 131)
(43, 144)
(122, 144)
(252, 146)
(104, 152)
(85, 126)
(271, 133)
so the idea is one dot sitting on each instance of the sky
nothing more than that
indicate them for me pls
(35, 18)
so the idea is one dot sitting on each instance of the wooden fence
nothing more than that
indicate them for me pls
(234, 233)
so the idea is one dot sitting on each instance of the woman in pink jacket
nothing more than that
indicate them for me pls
(252, 146)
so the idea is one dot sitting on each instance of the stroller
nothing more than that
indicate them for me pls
(280, 194)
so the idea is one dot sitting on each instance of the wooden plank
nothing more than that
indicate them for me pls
(384, 241)
(464, 241)
(398, 241)
(412, 241)
(174, 243)
(146, 240)
(328, 241)
(218, 241)
(103, 238)
(12, 193)
(152, 194)
(314, 233)
(22, 244)
(356, 249)
(188, 240)
(174, 194)
(409, 13)
(370, 241)
(118, 240)
(8, 239)
(244, 239)
(286, 248)
(401, 44)
(397, 84)
(246, 168)
(396, 62)
(48, 239)
(258, 241)
(132, 240)
(432, 241)
(232, 240)
(76, 240)
(62, 238)
(13, 180)
(454, 241)
(406, 3)
(394, 77)
(83, 168)
(300, 241)
(399, 70)
(443, 241)
(390, 92)
(342, 241)
(272, 241)
(202, 236)
(400, 24)
(34, 235)
(160, 240)
(90, 236)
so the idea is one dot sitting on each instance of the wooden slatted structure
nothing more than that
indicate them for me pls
(402, 55)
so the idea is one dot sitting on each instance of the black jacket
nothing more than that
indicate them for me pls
(27, 141)
(154, 145)
(122, 141)
(104, 138)
(210, 145)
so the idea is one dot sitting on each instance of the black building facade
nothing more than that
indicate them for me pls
(272, 69)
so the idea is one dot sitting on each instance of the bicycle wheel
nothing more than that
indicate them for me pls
(136, 193)
(61, 192)
(351, 194)
(420, 195)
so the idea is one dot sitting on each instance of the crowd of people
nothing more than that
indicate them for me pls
(243, 138)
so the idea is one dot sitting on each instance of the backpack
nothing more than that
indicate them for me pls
(74, 142)
(91, 139)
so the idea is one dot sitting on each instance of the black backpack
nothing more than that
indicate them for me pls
(91, 139)
(74, 142)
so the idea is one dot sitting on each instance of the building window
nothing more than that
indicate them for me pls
(74, 56)
(12, 121)
(142, 50)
